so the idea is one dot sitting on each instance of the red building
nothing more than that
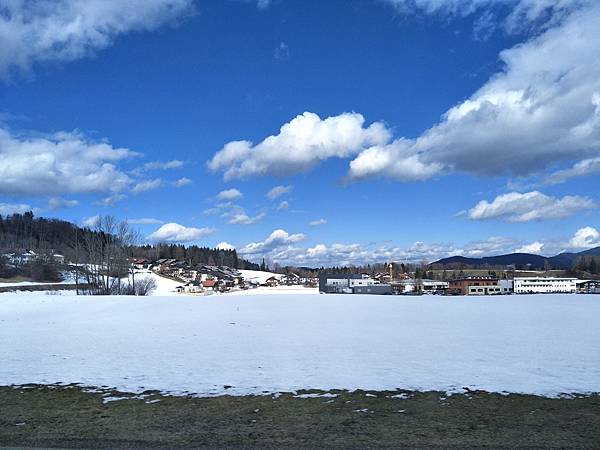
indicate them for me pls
(474, 286)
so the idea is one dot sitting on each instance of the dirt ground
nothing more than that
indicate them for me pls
(68, 416)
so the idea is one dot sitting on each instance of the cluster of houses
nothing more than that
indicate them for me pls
(22, 257)
(202, 278)
(365, 284)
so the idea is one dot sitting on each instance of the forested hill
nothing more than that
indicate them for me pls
(42, 235)
(519, 260)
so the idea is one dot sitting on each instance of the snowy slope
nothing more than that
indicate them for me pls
(544, 344)
(258, 276)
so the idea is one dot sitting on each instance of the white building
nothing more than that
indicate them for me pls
(542, 285)
(422, 286)
(353, 282)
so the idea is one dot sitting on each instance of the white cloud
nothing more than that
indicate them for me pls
(145, 186)
(263, 4)
(282, 52)
(354, 254)
(224, 246)
(535, 248)
(144, 221)
(173, 232)
(182, 182)
(583, 168)
(316, 223)
(300, 145)
(230, 194)
(277, 239)
(516, 123)
(91, 222)
(241, 218)
(55, 203)
(7, 209)
(111, 200)
(62, 163)
(397, 160)
(586, 237)
(66, 30)
(278, 191)
(517, 207)
(160, 165)
(284, 205)
(521, 13)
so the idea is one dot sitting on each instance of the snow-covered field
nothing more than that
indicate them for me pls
(276, 290)
(545, 344)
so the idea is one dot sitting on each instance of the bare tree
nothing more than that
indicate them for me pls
(106, 253)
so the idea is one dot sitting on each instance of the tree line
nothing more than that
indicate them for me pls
(102, 252)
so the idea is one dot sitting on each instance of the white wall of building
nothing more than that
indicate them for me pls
(542, 285)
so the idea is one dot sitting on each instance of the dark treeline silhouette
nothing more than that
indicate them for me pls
(46, 236)
(193, 255)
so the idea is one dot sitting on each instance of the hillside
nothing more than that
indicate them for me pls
(44, 235)
(560, 261)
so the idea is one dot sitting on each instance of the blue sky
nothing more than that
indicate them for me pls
(412, 130)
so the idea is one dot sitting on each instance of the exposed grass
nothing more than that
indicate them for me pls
(42, 416)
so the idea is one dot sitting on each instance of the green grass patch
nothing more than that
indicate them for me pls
(69, 416)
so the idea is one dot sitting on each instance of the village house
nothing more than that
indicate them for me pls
(191, 287)
(272, 281)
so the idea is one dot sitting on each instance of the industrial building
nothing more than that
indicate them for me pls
(588, 287)
(475, 286)
(352, 284)
(417, 287)
(544, 285)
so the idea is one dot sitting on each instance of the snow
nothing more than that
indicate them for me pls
(276, 290)
(253, 344)
(258, 276)
(32, 283)
(164, 286)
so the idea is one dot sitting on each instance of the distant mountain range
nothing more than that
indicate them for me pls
(560, 261)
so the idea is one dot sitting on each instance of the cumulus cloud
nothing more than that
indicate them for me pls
(316, 223)
(230, 194)
(283, 206)
(584, 238)
(300, 145)
(62, 163)
(7, 209)
(145, 186)
(354, 254)
(182, 182)
(398, 160)
(224, 246)
(278, 191)
(516, 123)
(55, 203)
(144, 221)
(277, 239)
(66, 30)
(174, 232)
(241, 218)
(517, 207)
(535, 248)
